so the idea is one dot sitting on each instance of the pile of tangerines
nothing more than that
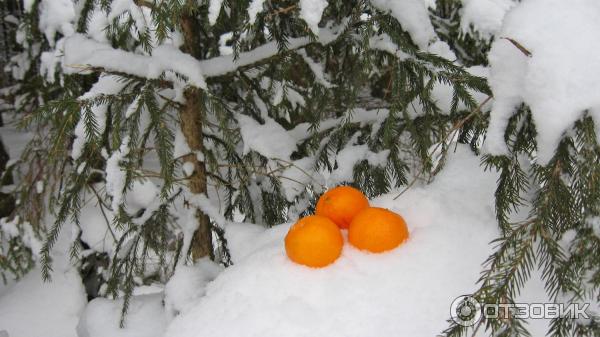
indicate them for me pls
(317, 241)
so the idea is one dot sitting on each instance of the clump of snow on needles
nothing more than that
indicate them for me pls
(56, 16)
(485, 16)
(413, 16)
(270, 139)
(115, 174)
(106, 85)
(311, 11)
(80, 53)
(352, 154)
(255, 7)
(405, 292)
(557, 80)
(214, 9)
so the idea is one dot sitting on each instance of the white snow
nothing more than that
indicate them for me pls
(224, 64)
(485, 16)
(96, 25)
(167, 57)
(298, 175)
(188, 223)
(442, 49)
(555, 81)
(9, 227)
(311, 12)
(188, 168)
(145, 318)
(317, 69)
(224, 49)
(244, 239)
(50, 60)
(119, 7)
(270, 139)
(81, 53)
(406, 292)
(32, 307)
(430, 3)
(142, 194)
(358, 115)
(594, 223)
(277, 97)
(295, 98)
(56, 16)
(384, 43)
(28, 5)
(214, 8)
(180, 145)
(413, 16)
(15, 228)
(106, 85)
(96, 230)
(115, 174)
(133, 107)
(39, 187)
(349, 156)
(255, 7)
(188, 284)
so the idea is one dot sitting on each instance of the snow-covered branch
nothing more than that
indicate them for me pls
(82, 53)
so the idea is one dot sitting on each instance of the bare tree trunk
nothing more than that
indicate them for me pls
(191, 126)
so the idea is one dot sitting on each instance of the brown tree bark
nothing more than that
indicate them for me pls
(190, 117)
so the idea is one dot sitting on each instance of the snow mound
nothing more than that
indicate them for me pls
(413, 16)
(485, 16)
(405, 292)
(145, 318)
(555, 81)
(32, 307)
(188, 284)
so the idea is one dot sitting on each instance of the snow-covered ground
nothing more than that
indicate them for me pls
(32, 307)
(405, 292)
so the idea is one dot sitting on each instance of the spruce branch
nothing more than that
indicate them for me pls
(450, 135)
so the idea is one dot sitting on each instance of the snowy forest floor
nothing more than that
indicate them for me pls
(405, 292)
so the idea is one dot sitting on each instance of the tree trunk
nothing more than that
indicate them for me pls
(191, 126)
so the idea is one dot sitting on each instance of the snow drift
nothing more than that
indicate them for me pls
(405, 292)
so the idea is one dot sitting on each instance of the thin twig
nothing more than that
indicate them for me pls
(103, 213)
(518, 45)
(284, 10)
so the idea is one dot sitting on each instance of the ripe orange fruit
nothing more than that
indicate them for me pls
(341, 204)
(377, 230)
(314, 241)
